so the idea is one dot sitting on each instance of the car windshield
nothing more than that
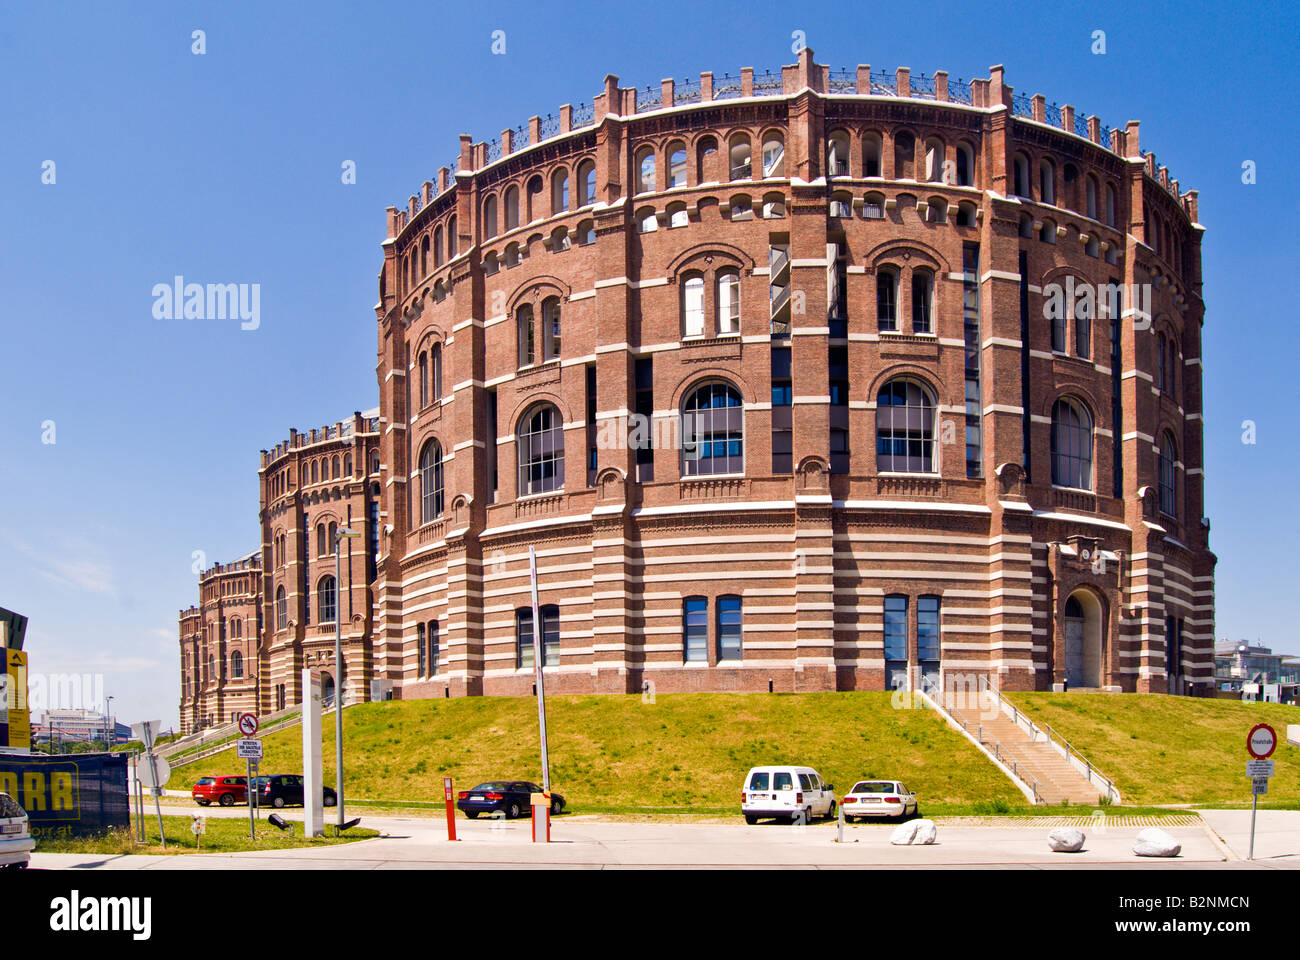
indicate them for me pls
(874, 786)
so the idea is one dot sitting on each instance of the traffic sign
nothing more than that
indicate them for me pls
(247, 724)
(1257, 786)
(249, 749)
(1259, 768)
(1261, 741)
(446, 788)
(144, 771)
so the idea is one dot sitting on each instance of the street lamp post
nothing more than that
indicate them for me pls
(108, 713)
(339, 536)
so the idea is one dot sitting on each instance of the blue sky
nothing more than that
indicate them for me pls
(225, 167)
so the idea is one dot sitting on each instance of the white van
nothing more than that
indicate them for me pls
(786, 793)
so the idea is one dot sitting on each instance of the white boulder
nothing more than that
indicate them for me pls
(914, 832)
(1066, 840)
(1154, 842)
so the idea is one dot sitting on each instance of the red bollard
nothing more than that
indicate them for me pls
(541, 809)
(451, 810)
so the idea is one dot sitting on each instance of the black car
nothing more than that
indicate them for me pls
(512, 797)
(286, 789)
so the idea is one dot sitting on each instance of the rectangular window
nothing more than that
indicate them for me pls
(1025, 421)
(419, 648)
(886, 301)
(592, 453)
(645, 408)
(927, 628)
(971, 329)
(433, 648)
(550, 636)
(1116, 383)
(729, 628)
(895, 624)
(693, 307)
(782, 412)
(695, 628)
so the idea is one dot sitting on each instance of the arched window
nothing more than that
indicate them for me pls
(560, 191)
(490, 217)
(1071, 445)
(347, 464)
(676, 164)
(693, 306)
(452, 242)
(741, 207)
(540, 444)
(321, 549)
(374, 461)
(1112, 206)
(533, 196)
(966, 213)
(965, 165)
(326, 605)
(871, 153)
(1091, 196)
(306, 475)
(645, 166)
(705, 154)
(904, 156)
(1172, 379)
(435, 372)
(1082, 332)
(773, 155)
(438, 257)
(773, 206)
(331, 545)
(431, 494)
(841, 204)
(587, 232)
(677, 215)
(1048, 232)
(1160, 361)
(315, 471)
(560, 239)
(237, 666)
(512, 207)
(922, 301)
(587, 182)
(1020, 182)
(936, 209)
(1168, 482)
(281, 609)
(904, 428)
(728, 301)
(1046, 181)
(887, 298)
(934, 157)
(334, 467)
(741, 157)
(550, 329)
(873, 206)
(527, 334)
(646, 221)
(837, 154)
(713, 431)
(424, 256)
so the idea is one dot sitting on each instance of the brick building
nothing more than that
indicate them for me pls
(805, 380)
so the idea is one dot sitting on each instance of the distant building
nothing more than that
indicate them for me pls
(78, 726)
(1254, 672)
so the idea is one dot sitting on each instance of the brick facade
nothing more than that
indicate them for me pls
(855, 195)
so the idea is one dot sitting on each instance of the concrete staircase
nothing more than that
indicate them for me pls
(1035, 758)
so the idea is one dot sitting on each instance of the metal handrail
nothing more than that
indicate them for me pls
(936, 695)
(1048, 732)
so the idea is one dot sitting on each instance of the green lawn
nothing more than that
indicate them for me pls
(685, 753)
(1161, 749)
(221, 836)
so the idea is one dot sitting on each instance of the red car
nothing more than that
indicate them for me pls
(226, 791)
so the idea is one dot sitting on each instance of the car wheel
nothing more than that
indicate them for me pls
(751, 819)
(831, 812)
(472, 814)
(557, 808)
(513, 812)
(331, 801)
(226, 800)
(278, 802)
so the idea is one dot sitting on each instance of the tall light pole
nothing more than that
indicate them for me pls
(538, 656)
(339, 536)
(108, 713)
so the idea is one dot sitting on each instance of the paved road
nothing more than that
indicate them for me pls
(592, 843)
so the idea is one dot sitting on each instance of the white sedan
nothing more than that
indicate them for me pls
(16, 842)
(878, 798)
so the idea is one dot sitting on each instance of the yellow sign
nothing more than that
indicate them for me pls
(20, 726)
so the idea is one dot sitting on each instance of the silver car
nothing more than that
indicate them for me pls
(16, 842)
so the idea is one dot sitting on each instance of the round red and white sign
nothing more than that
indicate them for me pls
(1261, 741)
(247, 724)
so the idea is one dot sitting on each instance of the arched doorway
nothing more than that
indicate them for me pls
(1083, 639)
(326, 689)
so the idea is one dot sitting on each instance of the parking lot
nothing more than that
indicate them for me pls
(589, 842)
